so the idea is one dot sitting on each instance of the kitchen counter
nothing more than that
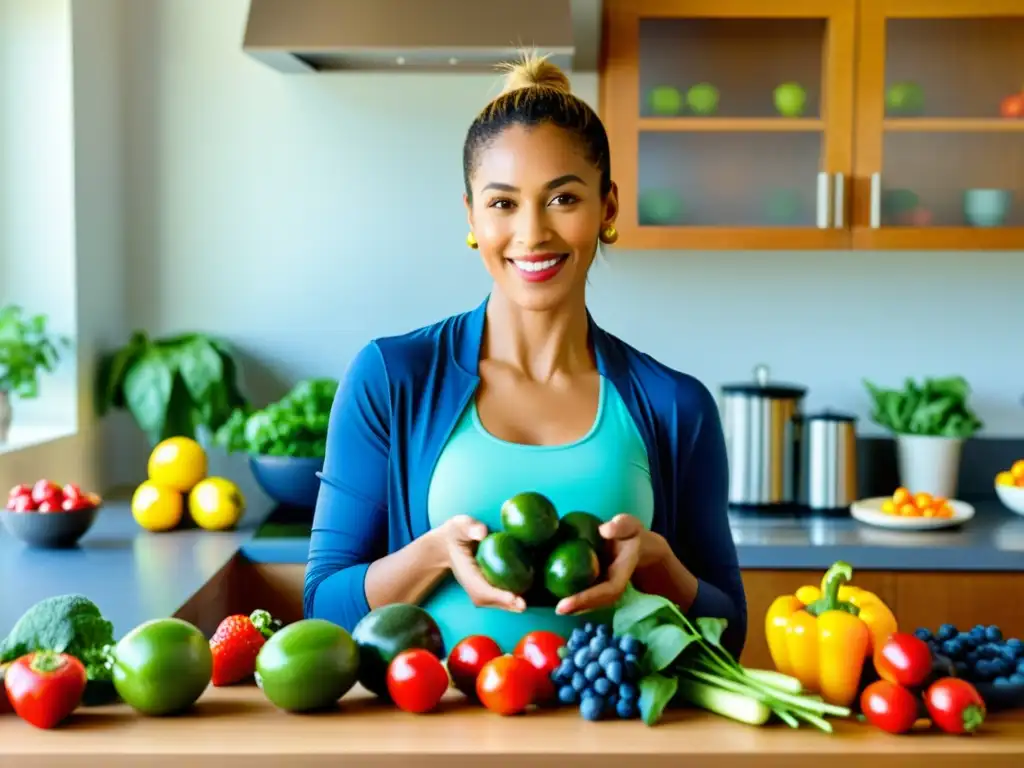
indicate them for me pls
(238, 727)
(134, 575)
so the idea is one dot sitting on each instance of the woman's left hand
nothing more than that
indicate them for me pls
(630, 546)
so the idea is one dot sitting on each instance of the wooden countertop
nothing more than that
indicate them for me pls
(237, 726)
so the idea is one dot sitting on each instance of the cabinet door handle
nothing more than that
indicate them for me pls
(839, 201)
(876, 200)
(823, 198)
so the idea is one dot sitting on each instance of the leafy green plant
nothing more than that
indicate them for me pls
(936, 408)
(172, 386)
(26, 349)
(295, 425)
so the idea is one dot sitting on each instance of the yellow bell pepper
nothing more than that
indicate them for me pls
(822, 636)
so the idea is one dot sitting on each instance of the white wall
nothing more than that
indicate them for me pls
(300, 215)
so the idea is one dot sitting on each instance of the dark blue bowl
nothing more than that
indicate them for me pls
(288, 480)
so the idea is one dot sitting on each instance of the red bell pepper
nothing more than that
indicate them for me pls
(45, 687)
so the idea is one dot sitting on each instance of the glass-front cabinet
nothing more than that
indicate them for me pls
(940, 124)
(816, 124)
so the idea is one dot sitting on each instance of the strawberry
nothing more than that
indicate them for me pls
(236, 643)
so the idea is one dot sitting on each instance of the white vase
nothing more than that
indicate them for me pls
(6, 415)
(929, 464)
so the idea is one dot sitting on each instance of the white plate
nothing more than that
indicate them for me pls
(870, 511)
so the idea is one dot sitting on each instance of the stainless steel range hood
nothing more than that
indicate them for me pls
(298, 36)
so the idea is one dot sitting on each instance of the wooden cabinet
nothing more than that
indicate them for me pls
(816, 124)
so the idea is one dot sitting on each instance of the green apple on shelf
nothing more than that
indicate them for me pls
(790, 99)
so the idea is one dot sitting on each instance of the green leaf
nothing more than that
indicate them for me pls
(664, 644)
(112, 372)
(147, 392)
(201, 368)
(711, 629)
(635, 606)
(656, 691)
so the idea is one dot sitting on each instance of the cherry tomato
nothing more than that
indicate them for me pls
(507, 684)
(955, 705)
(467, 658)
(889, 706)
(904, 659)
(44, 688)
(416, 680)
(540, 649)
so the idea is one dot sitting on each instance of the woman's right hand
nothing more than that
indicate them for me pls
(460, 535)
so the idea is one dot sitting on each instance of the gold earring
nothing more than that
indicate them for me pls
(471, 241)
(609, 235)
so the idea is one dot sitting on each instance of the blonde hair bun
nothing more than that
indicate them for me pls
(535, 71)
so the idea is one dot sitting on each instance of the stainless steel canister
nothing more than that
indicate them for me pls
(760, 439)
(828, 461)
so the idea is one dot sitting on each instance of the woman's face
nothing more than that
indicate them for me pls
(537, 213)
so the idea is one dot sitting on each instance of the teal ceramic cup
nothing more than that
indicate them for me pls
(986, 207)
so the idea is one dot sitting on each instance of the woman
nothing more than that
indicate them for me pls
(432, 430)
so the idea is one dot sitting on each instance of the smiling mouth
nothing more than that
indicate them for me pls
(533, 266)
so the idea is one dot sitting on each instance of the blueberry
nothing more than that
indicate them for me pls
(565, 670)
(567, 694)
(1002, 666)
(603, 686)
(983, 670)
(951, 648)
(587, 693)
(631, 658)
(579, 682)
(577, 639)
(972, 641)
(628, 691)
(629, 644)
(923, 633)
(593, 671)
(1017, 679)
(611, 703)
(582, 657)
(1020, 667)
(993, 633)
(588, 628)
(626, 708)
(1015, 642)
(604, 630)
(946, 632)
(972, 657)
(615, 672)
(1001, 681)
(608, 655)
(598, 644)
(591, 708)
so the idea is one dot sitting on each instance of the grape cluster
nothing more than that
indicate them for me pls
(980, 655)
(601, 672)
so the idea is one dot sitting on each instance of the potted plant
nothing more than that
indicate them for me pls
(930, 422)
(286, 441)
(174, 386)
(26, 349)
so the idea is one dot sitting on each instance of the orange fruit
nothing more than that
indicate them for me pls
(900, 496)
(1017, 470)
(922, 500)
(888, 507)
(1005, 478)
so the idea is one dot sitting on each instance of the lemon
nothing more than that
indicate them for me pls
(177, 462)
(1005, 478)
(157, 507)
(216, 504)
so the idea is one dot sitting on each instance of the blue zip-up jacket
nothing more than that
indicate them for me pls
(400, 400)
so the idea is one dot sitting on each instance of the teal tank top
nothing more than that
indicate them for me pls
(605, 472)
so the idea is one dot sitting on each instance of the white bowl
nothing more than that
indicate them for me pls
(1012, 497)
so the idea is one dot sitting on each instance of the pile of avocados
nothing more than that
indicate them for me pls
(539, 556)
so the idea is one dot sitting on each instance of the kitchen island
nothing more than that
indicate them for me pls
(238, 727)
(963, 576)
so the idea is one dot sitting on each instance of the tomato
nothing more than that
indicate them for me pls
(889, 706)
(955, 705)
(44, 687)
(47, 490)
(22, 503)
(416, 680)
(903, 659)
(507, 684)
(540, 649)
(467, 658)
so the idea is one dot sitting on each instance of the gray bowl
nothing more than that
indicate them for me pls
(49, 530)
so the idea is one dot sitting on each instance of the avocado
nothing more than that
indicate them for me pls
(530, 517)
(505, 562)
(385, 632)
(582, 525)
(572, 567)
(308, 665)
(162, 666)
